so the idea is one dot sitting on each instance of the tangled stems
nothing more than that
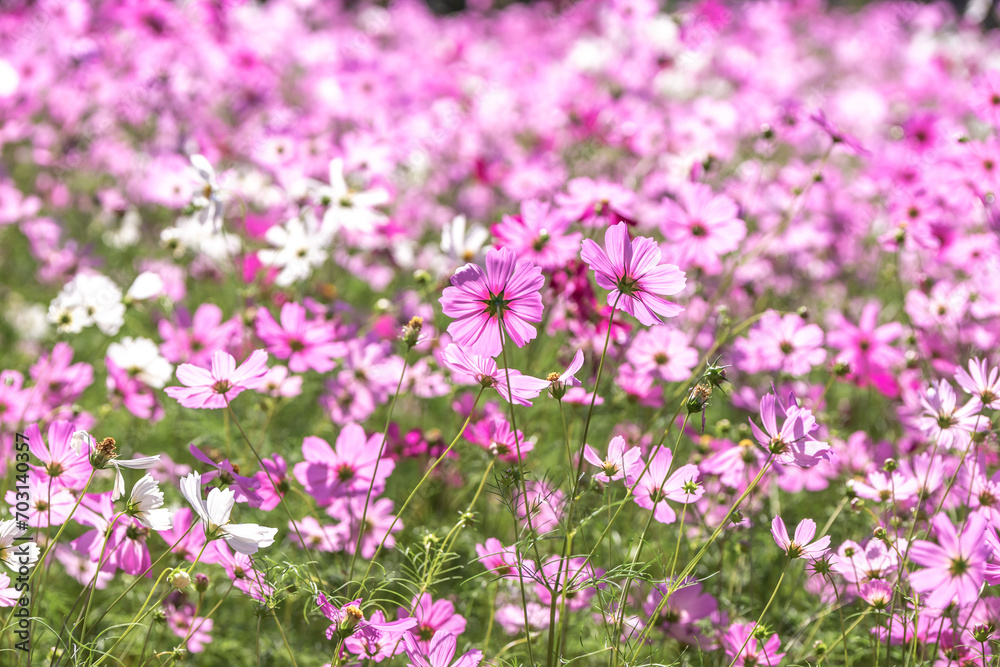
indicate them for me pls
(413, 493)
(760, 618)
(381, 451)
(674, 585)
(524, 495)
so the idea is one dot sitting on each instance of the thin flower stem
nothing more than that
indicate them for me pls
(281, 496)
(849, 630)
(701, 552)
(381, 451)
(413, 493)
(760, 618)
(623, 600)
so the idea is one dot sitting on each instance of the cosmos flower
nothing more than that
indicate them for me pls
(505, 295)
(216, 388)
(801, 546)
(215, 514)
(631, 270)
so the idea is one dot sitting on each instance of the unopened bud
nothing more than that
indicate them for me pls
(411, 331)
(180, 579)
(201, 582)
(890, 465)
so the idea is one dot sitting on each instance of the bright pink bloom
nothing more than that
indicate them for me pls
(793, 443)
(495, 435)
(740, 645)
(350, 615)
(800, 546)
(685, 607)
(866, 348)
(538, 235)
(194, 340)
(702, 226)
(658, 485)
(631, 270)
(596, 203)
(484, 371)
(439, 653)
(503, 561)
(306, 344)
(241, 570)
(505, 294)
(665, 352)
(434, 618)
(955, 568)
(378, 640)
(246, 487)
(272, 489)
(65, 467)
(620, 462)
(225, 382)
(348, 470)
(138, 398)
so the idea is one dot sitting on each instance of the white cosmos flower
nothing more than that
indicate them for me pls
(300, 246)
(350, 209)
(145, 505)
(147, 285)
(141, 359)
(89, 298)
(83, 441)
(16, 555)
(215, 511)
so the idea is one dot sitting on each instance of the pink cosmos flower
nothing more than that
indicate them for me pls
(505, 295)
(350, 619)
(64, 466)
(434, 618)
(741, 646)
(246, 487)
(495, 435)
(560, 382)
(981, 381)
(877, 593)
(782, 343)
(620, 462)
(272, 489)
(216, 388)
(800, 546)
(955, 568)
(138, 398)
(503, 561)
(944, 422)
(658, 485)
(380, 523)
(484, 371)
(702, 226)
(328, 473)
(865, 348)
(596, 203)
(631, 270)
(439, 652)
(241, 570)
(665, 352)
(538, 235)
(793, 443)
(378, 640)
(195, 339)
(183, 623)
(306, 344)
(685, 607)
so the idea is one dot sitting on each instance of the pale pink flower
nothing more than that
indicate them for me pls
(216, 388)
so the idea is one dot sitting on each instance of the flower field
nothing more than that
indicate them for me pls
(577, 333)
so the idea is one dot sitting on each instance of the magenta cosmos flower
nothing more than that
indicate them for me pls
(631, 270)
(216, 388)
(505, 295)
(800, 546)
(955, 568)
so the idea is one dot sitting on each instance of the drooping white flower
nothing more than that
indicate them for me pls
(201, 238)
(81, 441)
(16, 555)
(215, 511)
(461, 242)
(141, 358)
(208, 196)
(145, 505)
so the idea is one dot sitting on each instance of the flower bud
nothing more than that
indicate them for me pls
(201, 582)
(411, 331)
(698, 398)
(180, 579)
(102, 453)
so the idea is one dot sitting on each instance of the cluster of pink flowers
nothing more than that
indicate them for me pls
(374, 315)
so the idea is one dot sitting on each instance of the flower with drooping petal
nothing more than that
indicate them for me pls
(800, 546)
(631, 269)
(216, 388)
(145, 505)
(561, 382)
(484, 371)
(215, 512)
(506, 295)
(793, 443)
